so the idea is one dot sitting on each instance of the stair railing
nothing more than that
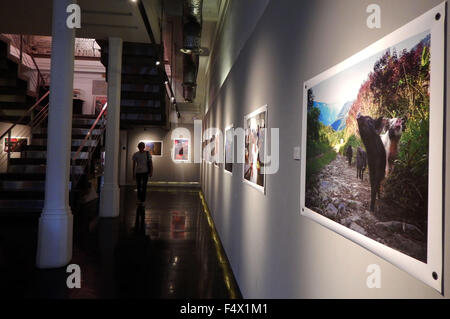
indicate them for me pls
(89, 137)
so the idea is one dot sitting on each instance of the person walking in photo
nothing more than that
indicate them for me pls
(142, 170)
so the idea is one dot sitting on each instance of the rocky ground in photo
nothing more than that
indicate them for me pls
(340, 196)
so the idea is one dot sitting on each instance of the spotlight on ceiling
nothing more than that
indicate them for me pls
(166, 82)
(158, 63)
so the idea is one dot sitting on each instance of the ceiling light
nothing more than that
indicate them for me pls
(166, 82)
(158, 63)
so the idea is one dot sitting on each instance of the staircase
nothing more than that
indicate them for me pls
(143, 94)
(14, 100)
(22, 188)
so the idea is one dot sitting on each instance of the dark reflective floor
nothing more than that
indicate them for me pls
(163, 250)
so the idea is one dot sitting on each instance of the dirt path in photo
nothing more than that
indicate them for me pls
(342, 197)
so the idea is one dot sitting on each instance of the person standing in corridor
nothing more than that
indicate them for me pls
(142, 170)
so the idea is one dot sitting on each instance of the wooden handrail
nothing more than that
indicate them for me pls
(28, 111)
(90, 132)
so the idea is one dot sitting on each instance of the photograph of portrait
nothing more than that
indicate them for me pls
(367, 141)
(181, 150)
(229, 149)
(254, 148)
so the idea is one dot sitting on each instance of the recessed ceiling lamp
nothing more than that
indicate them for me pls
(157, 63)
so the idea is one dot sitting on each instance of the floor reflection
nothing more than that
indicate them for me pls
(163, 249)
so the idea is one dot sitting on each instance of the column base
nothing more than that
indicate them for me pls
(54, 248)
(110, 201)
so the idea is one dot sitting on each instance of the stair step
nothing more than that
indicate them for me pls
(134, 123)
(141, 117)
(136, 87)
(21, 177)
(14, 106)
(133, 49)
(14, 119)
(141, 95)
(43, 148)
(75, 142)
(14, 90)
(81, 121)
(39, 169)
(27, 161)
(27, 212)
(84, 116)
(16, 206)
(141, 103)
(26, 195)
(75, 131)
(128, 59)
(141, 79)
(140, 70)
(43, 155)
(29, 186)
(140, 110)
(17, 98)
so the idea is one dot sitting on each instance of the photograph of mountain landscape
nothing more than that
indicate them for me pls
(367, 150)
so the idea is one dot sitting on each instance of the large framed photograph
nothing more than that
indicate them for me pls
(229, 150)
(372, 140)
(255, 125)
(154, 147)
(181, 150)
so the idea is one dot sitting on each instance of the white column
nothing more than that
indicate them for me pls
(110, 194)
(56, 222)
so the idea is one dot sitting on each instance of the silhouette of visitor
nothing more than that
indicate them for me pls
(142, 170)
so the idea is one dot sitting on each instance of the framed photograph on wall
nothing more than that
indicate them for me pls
(215, 149)
(15, 144)
(255, 125)
(154, 147)
(372, 140)
(181, 150)
(228, 151)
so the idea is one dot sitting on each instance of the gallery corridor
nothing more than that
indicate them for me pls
(165, 249)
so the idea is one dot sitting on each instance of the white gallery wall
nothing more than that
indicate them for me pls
(273, 250)
(85, 72)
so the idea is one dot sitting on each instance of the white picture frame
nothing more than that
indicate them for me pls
(174, 157)
(431, 271)
(253, 115)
